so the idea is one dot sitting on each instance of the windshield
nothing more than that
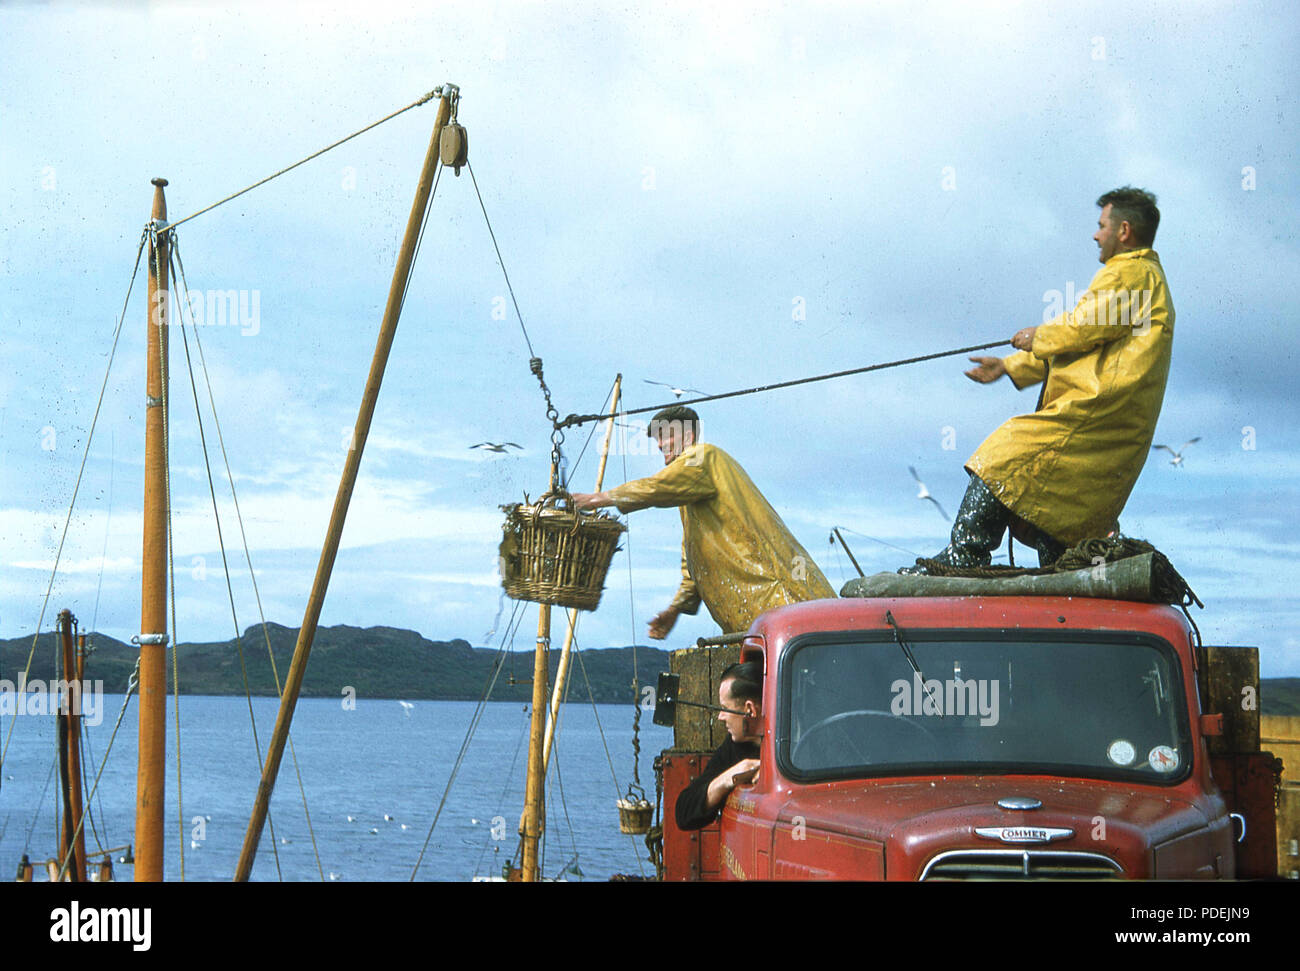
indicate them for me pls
(1020, 701)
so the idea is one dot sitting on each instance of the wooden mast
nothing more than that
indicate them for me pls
(73, 835)
(316, 600)
(540, 735)
(153, 602)
(566, 653)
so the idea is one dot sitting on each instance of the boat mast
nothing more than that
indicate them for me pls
(153, 601)
(325, 566)
(566, 653)
(69, 717)
(541, 732)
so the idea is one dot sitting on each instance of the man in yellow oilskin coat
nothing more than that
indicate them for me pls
(738, 557)
(1063, 473)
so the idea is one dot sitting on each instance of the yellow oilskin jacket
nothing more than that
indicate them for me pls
(1069, 467)
(737, 554)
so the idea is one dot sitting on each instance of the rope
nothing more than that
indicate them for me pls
(505, 789)
(248, 559)
(436, 92)
(515, 618)
(534, 362)
(502, 262)
(132, 682)
(618, 793)
(221, 544)
(156, 238)
(583, 419)
(117, 333)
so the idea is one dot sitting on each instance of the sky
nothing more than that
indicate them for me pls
(713, 198)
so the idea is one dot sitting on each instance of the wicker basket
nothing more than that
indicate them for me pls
(557, 556)
(635, 812)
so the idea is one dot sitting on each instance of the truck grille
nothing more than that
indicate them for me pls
(1020, 865)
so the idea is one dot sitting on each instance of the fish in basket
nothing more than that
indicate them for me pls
(554, 554)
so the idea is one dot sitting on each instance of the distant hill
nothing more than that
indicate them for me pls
(1280, 696)
(378, 662)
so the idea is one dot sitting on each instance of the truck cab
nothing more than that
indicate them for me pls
(970, 737)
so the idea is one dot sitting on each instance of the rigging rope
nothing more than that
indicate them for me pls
(132, 682)
(117, 333)
(248, 559)
(436, 92)
(221, 544)
(618, 792)
(583, 419)
(156, 237)
(507, 638)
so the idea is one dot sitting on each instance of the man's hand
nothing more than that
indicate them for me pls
(1024, 339)
(663, 623)
(989, 370)
(591, 500)
(743, 772)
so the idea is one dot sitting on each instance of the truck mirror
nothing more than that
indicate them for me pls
(666, 699)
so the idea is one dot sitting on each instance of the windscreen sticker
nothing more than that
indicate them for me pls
(1163, 759)
(1121, 752)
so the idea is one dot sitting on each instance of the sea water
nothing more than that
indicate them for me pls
(374, 775)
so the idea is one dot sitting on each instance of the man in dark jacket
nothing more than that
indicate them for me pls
(736, 759)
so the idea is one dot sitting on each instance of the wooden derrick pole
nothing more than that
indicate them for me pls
(316, 600)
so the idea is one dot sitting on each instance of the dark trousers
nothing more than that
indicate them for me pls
(980, 524)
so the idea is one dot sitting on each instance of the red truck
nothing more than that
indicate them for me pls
(980, 737)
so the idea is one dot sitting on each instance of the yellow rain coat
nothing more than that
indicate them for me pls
(737, 555)
(1069, 467)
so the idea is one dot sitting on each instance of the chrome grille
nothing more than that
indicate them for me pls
(1020, 865)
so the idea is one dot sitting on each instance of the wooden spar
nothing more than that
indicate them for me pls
(836, 531)
(316, 600)
(73, 834)
(153, 597)
(530, 826)
(566, 653)
(536, 775)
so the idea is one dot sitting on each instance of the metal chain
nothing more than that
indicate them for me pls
(552, 415)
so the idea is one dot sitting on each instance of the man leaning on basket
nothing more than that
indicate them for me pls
(738, 557)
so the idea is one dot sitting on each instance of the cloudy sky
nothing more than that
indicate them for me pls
(713, 198)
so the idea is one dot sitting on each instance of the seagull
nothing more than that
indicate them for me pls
(406, 708)
(374, 832)
(677, 392)
(925, 493)
(387, 818)
(352, 819)
(333, 875)
(1177, 456)
(497, 446)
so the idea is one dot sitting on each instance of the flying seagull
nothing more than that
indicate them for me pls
(1177, 456)
(677, 392)
(925, 493)
(497, 446)
(406, 708)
